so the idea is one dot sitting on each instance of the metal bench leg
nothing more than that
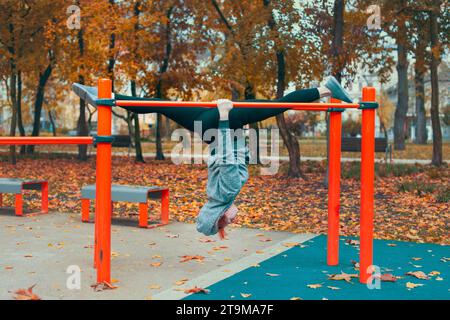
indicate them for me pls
(165, 207)
(19, 205)
(44, 197)
(143, 215)
(85, 206)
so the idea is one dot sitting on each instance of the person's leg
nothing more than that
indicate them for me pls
(224, 181)
(239, 117)
(243, 116)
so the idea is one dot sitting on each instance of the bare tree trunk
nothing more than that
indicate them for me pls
(289, 139)
(338, 37)
(435, 60)
(137, 130)
(52, 122)
(249, 94)
(159, 148)
(159, 84)
(39, 101)
(421, 129)
(19, 109)
(403, 94)
(338, 42)
(82, 126)
(12, 130)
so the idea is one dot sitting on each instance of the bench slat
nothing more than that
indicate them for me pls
(126, 193)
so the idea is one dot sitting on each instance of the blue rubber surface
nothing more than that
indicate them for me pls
(298, 267)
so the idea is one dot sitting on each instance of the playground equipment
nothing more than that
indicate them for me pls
(102, 98)
(131, 194)
(17, 186)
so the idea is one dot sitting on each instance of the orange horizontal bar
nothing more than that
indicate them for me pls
(45, 140)
(282, 105)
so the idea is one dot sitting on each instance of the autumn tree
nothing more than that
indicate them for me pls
(28, 43)
(166, 61)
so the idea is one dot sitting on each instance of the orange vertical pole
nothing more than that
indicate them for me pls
(165, 206)
(19, 205)
(143, 215)
(44, 197)
(103, 205)
(85, 207)
(367, 185)
(334, 177)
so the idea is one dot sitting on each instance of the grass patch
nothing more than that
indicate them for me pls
(443, 195)
(351, 170)
(416, 186)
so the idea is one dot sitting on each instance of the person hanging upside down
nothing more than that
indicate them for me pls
(227, 168)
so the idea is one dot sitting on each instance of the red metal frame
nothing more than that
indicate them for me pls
(317, 106)
(103, 205)
(102, 254)
(334, 180)
(143, 211)
(45, 140)
(18, 199)
(367, 186)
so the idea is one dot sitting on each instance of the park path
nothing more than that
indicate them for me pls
(146, 263)
(266, 159)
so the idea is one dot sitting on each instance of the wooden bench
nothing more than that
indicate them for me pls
(17, 186)
(353, 144)
(134, 194)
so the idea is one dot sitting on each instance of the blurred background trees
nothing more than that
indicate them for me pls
(187, 49)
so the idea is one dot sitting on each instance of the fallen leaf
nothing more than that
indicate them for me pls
(273, 274)
(196, 290)
(418, 275)
(181, 282)
(391, 244)
(342, 276)
(333, 288)
(26, 294)
(388, 277)
(314, 286)
(101, 286)
(189, 258)
(246, 295)
(156, 264)
(291, 244)
(411, 285)
(352, 242)
(154, 287)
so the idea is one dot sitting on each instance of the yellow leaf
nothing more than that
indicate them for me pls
(154, 287)
(411, 285)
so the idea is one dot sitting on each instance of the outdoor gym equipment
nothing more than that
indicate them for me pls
(135, 194)
(17, 186)
(102, 98)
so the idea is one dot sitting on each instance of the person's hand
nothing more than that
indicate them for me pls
(224, 106)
